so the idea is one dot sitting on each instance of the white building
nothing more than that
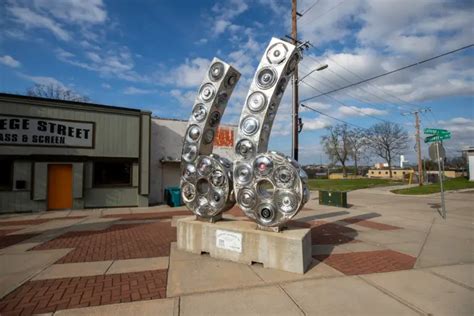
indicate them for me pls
(166, 145)
(470, 158)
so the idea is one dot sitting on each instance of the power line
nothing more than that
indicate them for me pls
(371, 84)
(347, 93)
(309, 9)
(361, 88)
(334, 118)
(389, 72)
(329, 10)
(347, 106)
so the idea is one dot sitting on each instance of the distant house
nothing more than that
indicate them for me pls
(469, 151)
(385, 173)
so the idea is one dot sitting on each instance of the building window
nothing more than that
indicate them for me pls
(386, 172)
(380, 172)
(394, 172)
(109, 174)
(404, 171)
(6, 175)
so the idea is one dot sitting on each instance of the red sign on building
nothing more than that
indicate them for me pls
(225, 137)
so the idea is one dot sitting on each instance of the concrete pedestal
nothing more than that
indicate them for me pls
(240, 241)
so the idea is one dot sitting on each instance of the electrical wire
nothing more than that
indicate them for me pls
(326, 12)
(347, 106)
(309, 9)
(389, 72)
(334, 118)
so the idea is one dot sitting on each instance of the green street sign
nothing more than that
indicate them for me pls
(436, 138)
(435, 131)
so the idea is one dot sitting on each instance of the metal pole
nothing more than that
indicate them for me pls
(418, 148)
(294, 138)
(441, 181)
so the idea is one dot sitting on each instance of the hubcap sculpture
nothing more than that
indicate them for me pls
(269, 187)
(206, 178)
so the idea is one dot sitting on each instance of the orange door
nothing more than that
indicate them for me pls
(59, 186)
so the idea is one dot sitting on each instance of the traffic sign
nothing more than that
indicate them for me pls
(437, 138)
(435, 131)
(433, 151)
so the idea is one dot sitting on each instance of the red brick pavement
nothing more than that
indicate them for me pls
(123, 241)
(369, 224)
(36, 221)
(145, 216)
(10, 240)
(368, 261)
(4, 232)
(46, 296)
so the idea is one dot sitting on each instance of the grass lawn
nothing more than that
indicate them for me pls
(349, 184)
(451, 184)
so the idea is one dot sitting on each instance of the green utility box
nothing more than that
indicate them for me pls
(333, 198)
(173, 196)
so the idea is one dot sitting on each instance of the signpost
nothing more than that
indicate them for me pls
(438, 154)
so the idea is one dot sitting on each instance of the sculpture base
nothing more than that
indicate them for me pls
(241, 241)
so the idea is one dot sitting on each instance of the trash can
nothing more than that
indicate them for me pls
(173, 196)
(333, 198)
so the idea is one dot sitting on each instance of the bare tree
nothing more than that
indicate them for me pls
(358, 141)
(337, 146)
(387, 141)
(55, 91)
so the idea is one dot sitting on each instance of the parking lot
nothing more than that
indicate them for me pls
(385, 254)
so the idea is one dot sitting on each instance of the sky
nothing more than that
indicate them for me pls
(152, 55)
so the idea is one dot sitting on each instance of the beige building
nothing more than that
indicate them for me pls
(70, 155)
(385, 173)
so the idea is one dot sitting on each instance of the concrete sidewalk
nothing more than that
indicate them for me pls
(385, 255)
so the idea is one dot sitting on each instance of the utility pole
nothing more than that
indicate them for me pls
(418, 142)
(294, 34)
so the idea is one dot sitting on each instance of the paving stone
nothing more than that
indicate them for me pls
(203, 273)
(463, 274)
(316, 270)
(328, 249)
(128, 241)
(65, 270)
(152, 307)
(46, 296)
(257, 301)
(430, 293)
(409, 248)
(137, 265)
(16, 269)
(368, 261)
(343, 296)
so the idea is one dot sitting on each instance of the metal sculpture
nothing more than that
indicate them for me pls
(269, 187)
(206, 178)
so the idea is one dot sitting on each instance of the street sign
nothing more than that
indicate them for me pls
(437, 138)
(433, 151)
(435, 131)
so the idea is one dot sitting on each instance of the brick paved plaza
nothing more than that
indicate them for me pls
(71, 260)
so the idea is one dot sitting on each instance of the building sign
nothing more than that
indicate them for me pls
(225, 137)
(35, 131)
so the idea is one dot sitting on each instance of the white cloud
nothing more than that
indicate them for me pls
(185, 97)
(462, 129)
(188, 74)
(74, 11)
(135, 91)
(106, 86)
(9, 61)
(31, 19)
(356, 111)
(43, 80)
